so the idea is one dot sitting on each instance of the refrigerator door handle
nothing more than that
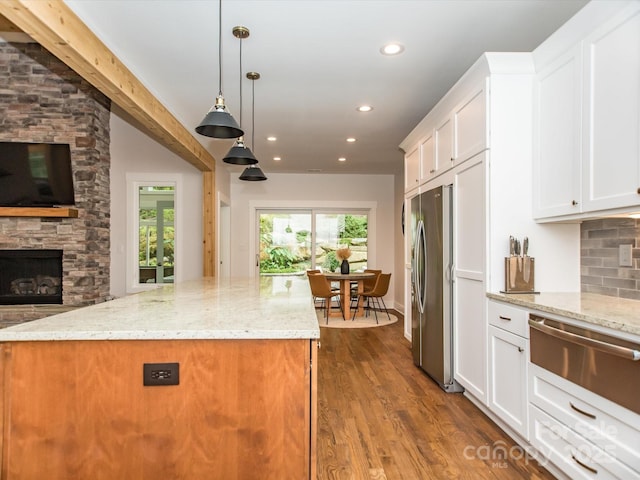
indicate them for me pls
(419, 260)
(422, 272)
(416, 274)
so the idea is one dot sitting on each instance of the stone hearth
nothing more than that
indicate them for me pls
(43, 100)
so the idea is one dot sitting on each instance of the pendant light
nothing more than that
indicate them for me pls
(218, 123)
(240, 154)
(253, 173)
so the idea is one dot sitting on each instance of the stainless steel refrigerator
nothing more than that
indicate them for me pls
(432, 285)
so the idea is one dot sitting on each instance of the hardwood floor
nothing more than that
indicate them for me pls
(380, 417)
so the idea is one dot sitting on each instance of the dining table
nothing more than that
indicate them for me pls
(346, 280)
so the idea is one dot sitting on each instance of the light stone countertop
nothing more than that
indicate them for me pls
(611, 312)
(208, 308)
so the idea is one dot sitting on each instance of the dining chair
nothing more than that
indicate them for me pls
(367, 284)
(374, 296)
(334, 287)
(321, 288)
(314, 272)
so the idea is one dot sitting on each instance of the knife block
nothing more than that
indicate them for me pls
(519, 274)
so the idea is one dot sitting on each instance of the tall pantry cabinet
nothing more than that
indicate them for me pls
(479, 138)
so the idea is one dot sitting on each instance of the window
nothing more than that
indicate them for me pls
(156, 234)
(292, 241)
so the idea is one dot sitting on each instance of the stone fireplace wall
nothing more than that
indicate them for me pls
(43, 100)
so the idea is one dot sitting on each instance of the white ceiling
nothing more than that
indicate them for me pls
(318, 60)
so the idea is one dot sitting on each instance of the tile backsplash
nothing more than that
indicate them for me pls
(599, 257)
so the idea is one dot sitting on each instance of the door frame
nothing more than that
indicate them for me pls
(223, 236)
(134, 181)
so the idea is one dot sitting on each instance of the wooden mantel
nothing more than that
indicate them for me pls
(58, 29)
(61, 212)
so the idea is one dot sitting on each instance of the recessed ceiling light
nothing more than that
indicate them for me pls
(351, 139)
(272, 139)
(342, 159)
(277, 159)
(392, 49)
(365, 108)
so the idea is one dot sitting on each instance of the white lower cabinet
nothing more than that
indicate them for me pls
(508, 378)
(508, 358)
(572, 453)
(583, 434)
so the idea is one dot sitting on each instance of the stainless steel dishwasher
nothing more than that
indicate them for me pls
(603, 364)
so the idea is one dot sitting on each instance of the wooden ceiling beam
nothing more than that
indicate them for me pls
(7, 26)
(58, 29)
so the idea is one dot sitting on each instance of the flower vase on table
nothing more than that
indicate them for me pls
(344, 254)
(344, 267)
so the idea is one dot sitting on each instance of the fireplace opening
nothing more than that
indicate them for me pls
(30, 277)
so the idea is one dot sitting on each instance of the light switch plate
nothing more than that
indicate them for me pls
(624, 256)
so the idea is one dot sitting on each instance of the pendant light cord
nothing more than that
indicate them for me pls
(253, 115)
(240, 77)
(220, 47)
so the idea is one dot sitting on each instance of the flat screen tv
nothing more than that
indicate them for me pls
(35, 174)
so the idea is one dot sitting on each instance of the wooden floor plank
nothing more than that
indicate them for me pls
(381, 418)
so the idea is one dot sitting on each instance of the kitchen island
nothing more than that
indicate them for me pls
(201, 379)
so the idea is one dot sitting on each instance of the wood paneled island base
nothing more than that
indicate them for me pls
(78, 410)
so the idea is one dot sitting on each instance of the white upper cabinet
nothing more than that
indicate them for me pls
(587, 126)
(412, 170)
(611, 128)
(444, 143)
(428, 164)
(451, 135)
(557, 130)
(470, 119)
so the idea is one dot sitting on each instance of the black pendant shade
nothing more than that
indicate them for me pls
(253, 173)
(240, 154)
(218, 123)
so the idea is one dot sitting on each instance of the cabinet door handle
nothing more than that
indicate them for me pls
(583, 465)
(574, 202)
(504, 318)
(520, 349)
(579, 410)
(638, 191)
(432, 171)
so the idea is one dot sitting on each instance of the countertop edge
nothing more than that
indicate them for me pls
(595, 318)
(127, 336)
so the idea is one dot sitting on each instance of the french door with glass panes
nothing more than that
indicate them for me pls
(293, 241)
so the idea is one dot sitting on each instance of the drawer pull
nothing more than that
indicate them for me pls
(583, 465)
(504, 318)
(520, 349)
(579, 410)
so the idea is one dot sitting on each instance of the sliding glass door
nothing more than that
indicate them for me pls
(292, 241)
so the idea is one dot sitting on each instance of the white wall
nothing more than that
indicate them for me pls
(322, 191)
(399, 265)
(133, 152)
